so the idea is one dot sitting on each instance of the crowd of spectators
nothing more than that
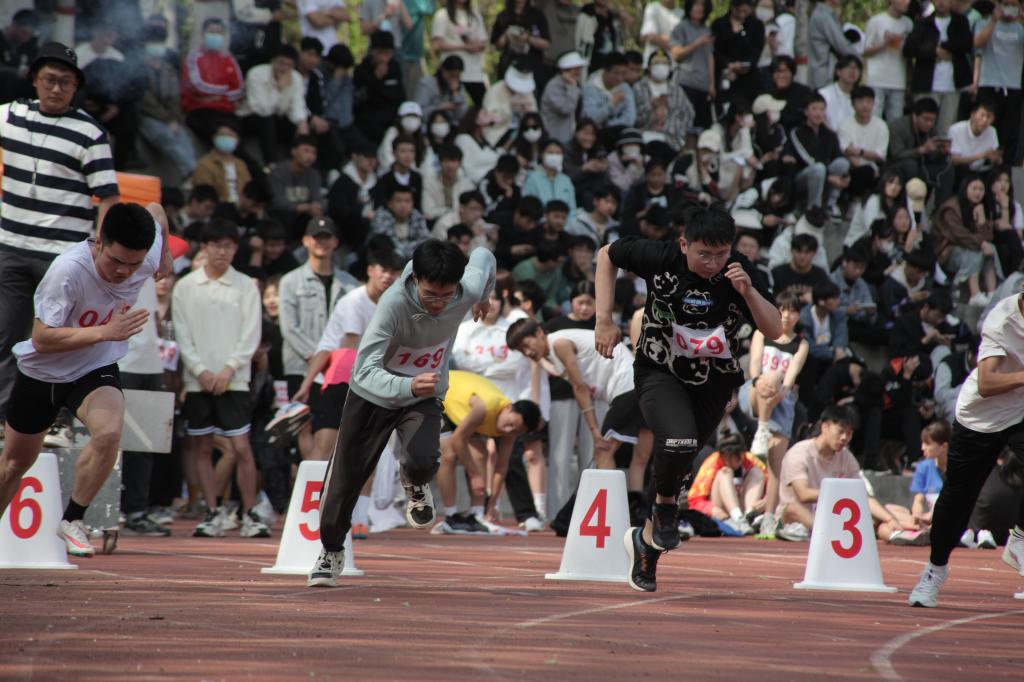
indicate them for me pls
(871, 188)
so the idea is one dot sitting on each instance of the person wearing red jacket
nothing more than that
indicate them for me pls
(211, 82)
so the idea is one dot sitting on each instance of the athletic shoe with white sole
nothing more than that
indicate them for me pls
(985, 540)
(140, 524)
(253, 526)
(532, 525)
(162, 515)
(740, 526)
(768, 528)
(1013, 553)
(794, 532)
(328, 567)
(967, 539)
(665, 531)
(686, 530)
(419, 510)
(926, 592)
(228, 518)
(210, 526)
(643, 561)
(762, 440)
(76, 538)
(59, 437)
(360, 531)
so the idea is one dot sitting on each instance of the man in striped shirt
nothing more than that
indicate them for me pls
(56, 158)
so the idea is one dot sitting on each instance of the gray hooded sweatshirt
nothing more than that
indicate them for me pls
(404, 340)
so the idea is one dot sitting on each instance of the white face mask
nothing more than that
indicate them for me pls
(440, 129)
(631, 151)
(531, 135)
(659, 72)
(747, 120)
(773, 117)
(765, 14)
(411, 124)
(553, 161)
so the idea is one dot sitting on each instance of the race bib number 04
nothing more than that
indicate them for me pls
(700, 343)
(413, 361)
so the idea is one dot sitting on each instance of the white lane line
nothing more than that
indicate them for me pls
(881, 659)
(534, 622)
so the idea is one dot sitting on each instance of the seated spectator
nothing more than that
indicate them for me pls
(769, 134)
(544, 268)
(400, 221)
(274, 109)
(297, 187)
(519, 232)
(104, 35)
(202, 201)
(963, 240)
(527, 143)
(656, 224)
(220, 167)
(1007, 220)
(889, 194)
(378, 88)
(599, 223)
(930, 472)
(556, 217)
(561, 97)
(211, 83)
(811, 223)
(974, 143)
(626, 163)
(729, 485)
(461, 236)
(444, 92)
(838, 95)
(822, 170)
(880, 246)
(800, 275)
(441, 191)
(110, 94)
(653, 190)
(507, 101)
(607, 99)
(737, 162)
(828, 336)
(500, 190)
(777, 210)
(663, 110)
(916, 150)
(748, 242)
(809, 462)
(922, 330)
(438, 133)
(579, 266)
(864, 139)
(470, 216)
(549, 182)
(255, 32)
(410, 123)
(339, 93)
(905, 287)
(349, 202)
(402, 173)
(276, 258)
(18, 49)
(784, 87)
(478, 155)
(855, 297)
(586, 162)
(950, 374)
(906, 405)
(161, 122)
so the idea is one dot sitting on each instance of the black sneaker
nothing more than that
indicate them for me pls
(665, 534)
(474, 527)
(419, 510)
(142, 525)
(643, 561)
(328, 567)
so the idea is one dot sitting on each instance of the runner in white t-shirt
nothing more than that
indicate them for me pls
(83, 319)
(988, 420)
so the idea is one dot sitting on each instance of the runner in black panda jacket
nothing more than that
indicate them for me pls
(699, 294)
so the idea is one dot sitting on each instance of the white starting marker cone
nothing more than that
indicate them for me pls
(593, 549)
(843, 554)
(28, 528)
(300, 539)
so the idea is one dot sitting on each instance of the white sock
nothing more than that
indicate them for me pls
(735, 514)
(451, 511)
(477, 511)
(762, 425)
(361, 514)
(540, 501)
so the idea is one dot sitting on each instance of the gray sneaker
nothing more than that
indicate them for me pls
(419, 510)
(328, 567)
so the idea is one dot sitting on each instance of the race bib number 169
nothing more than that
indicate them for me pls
(413, 361)
(700, 343)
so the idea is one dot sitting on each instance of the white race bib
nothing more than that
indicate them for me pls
(700, 343)
(169, 354)
(414, 361)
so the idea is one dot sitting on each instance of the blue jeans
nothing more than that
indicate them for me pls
(889, 103)
(176, 146)
(812, 180)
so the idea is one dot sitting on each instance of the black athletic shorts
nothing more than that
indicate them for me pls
(623, 420)
(228, 414)
(327, 406)
(34, 404)
(679, 414)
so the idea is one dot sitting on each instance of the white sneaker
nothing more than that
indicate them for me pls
(980, 299)
(967, 539)
(59, 437)
(76, 538)
(768, 527)
(926, 592)
(686, 530)
(762, 439)
(227, 518)
(740, 526)
(328, 567)
(794, 532)
(253, 526)
(985, 539)
(209, 527)
(1013, 553)
(532, 525)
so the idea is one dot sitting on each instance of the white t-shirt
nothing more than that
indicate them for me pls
(887, 68)
(482, 349)
(1002, 336)
(838, 106)
(351, 315)
(658, 20)
(873, 137)
(942, 78)
(963, 141)
(144, 348)
(465, 27)
(327, 35)
(606, 378)
(72, 294)
(804, 462)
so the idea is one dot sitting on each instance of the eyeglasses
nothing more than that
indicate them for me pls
(705, 257)
(223, 247)
(64, 84)
(427, 298)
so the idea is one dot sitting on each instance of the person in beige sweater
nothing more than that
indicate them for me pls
(963, 240)
(221, 168)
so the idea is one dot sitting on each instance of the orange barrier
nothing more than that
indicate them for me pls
(134, 188)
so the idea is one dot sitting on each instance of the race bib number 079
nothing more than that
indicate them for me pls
(700, 343)
(413, 361)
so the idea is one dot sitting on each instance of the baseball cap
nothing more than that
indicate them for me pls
(318, 226)
(58, 52)
(571, 60)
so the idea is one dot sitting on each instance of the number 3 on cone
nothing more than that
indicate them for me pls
(850, 526)
(598, 530)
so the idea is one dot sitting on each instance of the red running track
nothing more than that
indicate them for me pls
(471, 608)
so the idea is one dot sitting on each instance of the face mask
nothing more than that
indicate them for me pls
(440, 129)
(156, 50)
(747, 120)
(773, 117)
(659, 72)
(631, 151)
(1011, 12)
(553, 161)
(765, 14)
(410, 124)
(532, 135)
(225, 143)
(213, 41)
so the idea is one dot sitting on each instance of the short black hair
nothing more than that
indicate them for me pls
(984, 102)
(402, 138)
(258, 190)
(286, 50)
(814, 98)
(847, 59)
(634, 57)
(613, 59)
(300, 140)
(688, 8)
(448, 151)
(881, 228)
(397, 188)
(472, 195)
(605, 190)
(214, 21)
(789, 300)
(519, 330)
(940, 300)
(311, 44)
(838, 414)
(925, 105)
(548, 251)
(439, 262)
(855, 254)
(528, 410)
(507, 163)
(388, 259)
(862, 92)
(824, 290)
(458, 231)
(271, 230)
(712, 226)
(217, 229)
(784, 60)
(531, 291)
(203, 193)
(803, 242)
(556, 206)
(732, 445)
(129, 225)
(530, 207)
(582, 240)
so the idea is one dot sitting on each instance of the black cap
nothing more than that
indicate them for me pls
(318, 226)
(58, 52)
(384, 40)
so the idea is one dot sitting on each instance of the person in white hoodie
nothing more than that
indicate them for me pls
(274, 109)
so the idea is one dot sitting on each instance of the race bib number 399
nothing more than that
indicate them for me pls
(700, 343)
(413, 361)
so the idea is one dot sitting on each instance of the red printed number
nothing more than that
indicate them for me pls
(850, 526)
(89, 317)
(311, 502)
(35, 511)
(422, 360)
(598, 529)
